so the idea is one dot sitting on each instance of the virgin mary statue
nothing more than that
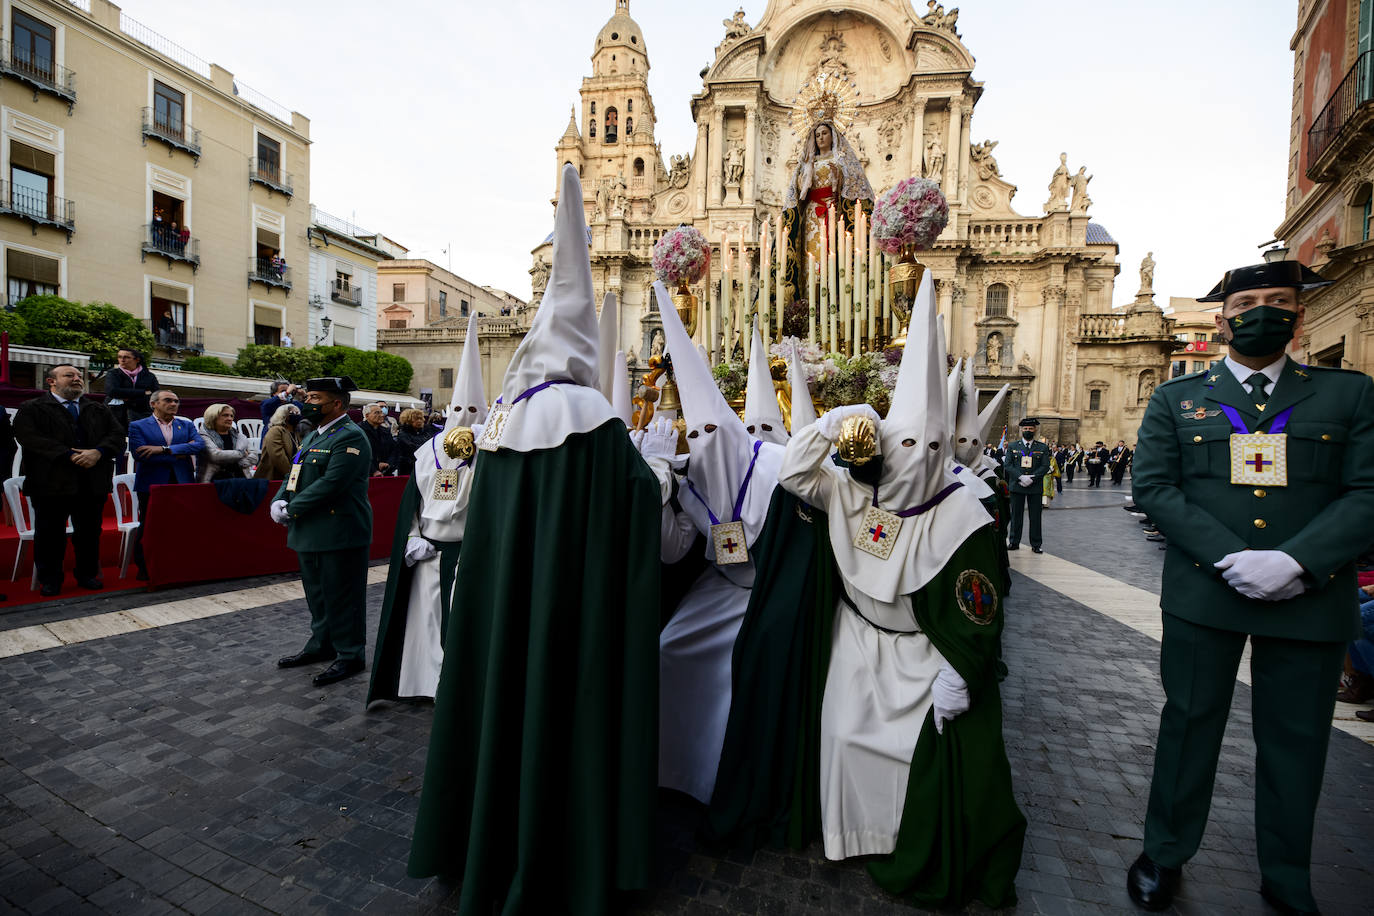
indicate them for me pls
(828, 174)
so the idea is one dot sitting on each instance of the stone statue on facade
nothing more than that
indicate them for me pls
(1059, 187)
(937, 18)
(983, 162)
(1147, 387)
(539, 278)
(602, 202)
(1079, 182)
(734, 164)
(680, 172)
(656, 343)
(994, 353)
(735, 27)
(622, 203)
(1147, 274)
(935, 159)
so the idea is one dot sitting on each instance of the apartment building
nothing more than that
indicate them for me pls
(135, 172)
(343, 281)
(413, 293)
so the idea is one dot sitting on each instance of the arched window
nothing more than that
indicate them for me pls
(593, 109)
(629, 127)
(593, 130)
(995, 302)
(629, 105)
(1360, 212)
(639, 168)
(612, 125)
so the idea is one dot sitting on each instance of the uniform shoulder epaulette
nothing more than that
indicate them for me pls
(1330, 369)
(1182, 378)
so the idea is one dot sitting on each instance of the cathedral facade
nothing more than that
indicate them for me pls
(1027, 298)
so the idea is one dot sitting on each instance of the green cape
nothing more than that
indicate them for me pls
(539, 789)
(391, 628)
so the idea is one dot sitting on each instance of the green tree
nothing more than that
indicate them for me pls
(375, 370)
(97, 328)
(17, 327)
(210, 365)
(266, 361)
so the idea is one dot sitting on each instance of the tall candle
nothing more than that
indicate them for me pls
(745, 276)
(765, 274)
(781, 285)
(831, 301)
(810, 299)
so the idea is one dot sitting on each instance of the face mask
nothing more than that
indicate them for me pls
(312, 412)
(292, 419)
(1028, 436)
(1262, 330)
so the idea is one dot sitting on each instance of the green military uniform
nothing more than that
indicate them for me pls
(1182, 478)
(330, 528)
(1031, 458)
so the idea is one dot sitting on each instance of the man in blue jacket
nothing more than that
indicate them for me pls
(164, 448)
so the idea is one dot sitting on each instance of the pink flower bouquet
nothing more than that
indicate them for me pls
(913, 213)
(681, 256)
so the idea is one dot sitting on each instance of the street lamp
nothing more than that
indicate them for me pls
(325, 324)
(1276, 254)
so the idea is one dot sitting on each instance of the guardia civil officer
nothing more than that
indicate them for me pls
(1025, 465)
(323, 502)
(1258, 473)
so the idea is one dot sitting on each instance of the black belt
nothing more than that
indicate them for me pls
(844, 596)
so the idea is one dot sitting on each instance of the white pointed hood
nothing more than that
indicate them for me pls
(620, 396)
(446, 519)
(803, 409)
(561, 345)
(720, 456)
(986, 419)
(469, 402)
(762, 416)
(608, 342)
(952, 390)
(917, 468)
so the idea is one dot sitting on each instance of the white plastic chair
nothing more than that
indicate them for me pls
(127, 525)
(21, 507)
(251, 428)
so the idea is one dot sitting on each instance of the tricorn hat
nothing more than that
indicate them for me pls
(1262, 276)
(337, 384)
(1029, 421)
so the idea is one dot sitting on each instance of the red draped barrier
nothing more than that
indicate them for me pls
(193, 537)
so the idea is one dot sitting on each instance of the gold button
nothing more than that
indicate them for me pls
(1261, 523)
(1197, 438)
(1260, 494)
(1326, 437)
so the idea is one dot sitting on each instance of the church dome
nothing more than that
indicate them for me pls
(621, 31)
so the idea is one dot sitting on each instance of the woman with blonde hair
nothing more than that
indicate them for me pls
(228, 453)
(280, 443)
(413, 433)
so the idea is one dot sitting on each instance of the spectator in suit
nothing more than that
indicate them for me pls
(228, 453)
(165, 447)
(70, 443)
(379, 437)
(280, 443)
(128, 387)
(276, 396)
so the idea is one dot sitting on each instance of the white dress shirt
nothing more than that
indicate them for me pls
(1271, 372)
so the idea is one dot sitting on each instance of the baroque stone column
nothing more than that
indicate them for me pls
(700, 156)
(952, 153)
(751, 153)
(716, 157)
(964, 155)
(1051, 325)
(918, 134)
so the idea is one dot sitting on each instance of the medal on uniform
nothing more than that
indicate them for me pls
(495, 428)
(728, 538)
(878, 532)
(293, 478)
(445, 484)
(1258, 459)
(1027, 461)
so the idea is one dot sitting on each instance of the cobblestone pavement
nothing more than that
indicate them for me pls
(176, 769)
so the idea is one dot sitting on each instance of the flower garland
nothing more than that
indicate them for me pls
(913, 213)
(681, 256)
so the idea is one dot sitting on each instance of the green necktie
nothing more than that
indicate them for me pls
(1258, 382)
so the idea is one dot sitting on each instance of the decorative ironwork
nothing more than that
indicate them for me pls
(1348, 102)
(269, 272)
(188, 340)
(172, 244)
(39, 73)
(38, 208)
(346, 294)
(173, 133)
(270, 176)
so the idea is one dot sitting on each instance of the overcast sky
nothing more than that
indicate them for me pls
(434, 121)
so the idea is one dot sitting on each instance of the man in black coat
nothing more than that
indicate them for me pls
(128, 386)
(380, 438)
(1096, 461)
(70, 443)
(1121, 460)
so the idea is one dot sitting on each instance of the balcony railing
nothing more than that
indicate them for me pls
(270, 272)
(348, 295)
(40, 73)
(1341, 130)
(171, 337)
(172, 244)
(38, 208)
(1101, 327)
(174, 133)
(270, 176)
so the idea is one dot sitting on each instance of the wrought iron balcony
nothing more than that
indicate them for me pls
(346, 294)
(270, 176)
(39, 73)
(38, 208)
(175, 339)
(1342, 133)
(173, 133)
(269, 272)
(172, 244)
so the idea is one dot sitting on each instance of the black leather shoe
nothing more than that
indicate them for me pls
(1037, 550)
(1013, 546)
(1285, 908)
(1152, 886)
(95, 584)
(1154, 537)
(338, 671)
(304, 658)
(48, 591)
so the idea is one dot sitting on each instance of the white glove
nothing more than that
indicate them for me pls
(1025, 480)
(1266, 575)
(950, 692)
(829, 424)
(279, 512)
(659, 440)
(418, 549)
(477, 431)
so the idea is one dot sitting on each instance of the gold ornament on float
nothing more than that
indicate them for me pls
(904, 278)
(858, 440)
(686, 305)
(827, 96)
(459, 443)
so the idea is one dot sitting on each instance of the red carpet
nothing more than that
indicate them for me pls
(18, 591)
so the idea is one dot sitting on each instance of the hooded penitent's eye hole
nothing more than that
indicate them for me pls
(963, 439)
(693, 434)
(975, 441)
(750, 427)
(934, 446)
(767, 428)
(710, 427)
(472, 409)
(908, 443)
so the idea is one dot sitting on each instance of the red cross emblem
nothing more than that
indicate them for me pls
(1259, 461)
(877, 533)
(729, 544)
(445, 484)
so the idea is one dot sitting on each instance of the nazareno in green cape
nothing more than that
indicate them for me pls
(391, 627)
(540, 785)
